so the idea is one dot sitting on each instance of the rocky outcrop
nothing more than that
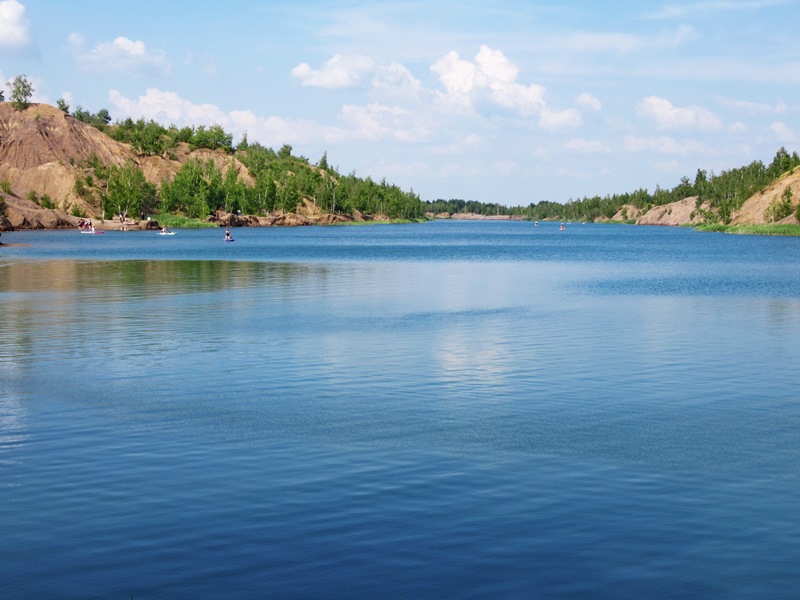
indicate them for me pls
(627, 212)
(25, 214)
(307, 214)
(682, 212)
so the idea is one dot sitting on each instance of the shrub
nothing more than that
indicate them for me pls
(47, 202)
(33, 196)
(780, 208)
(5, 185)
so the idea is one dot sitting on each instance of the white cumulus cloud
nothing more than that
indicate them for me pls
(339, 72)
(396, 81)
(667, 116)
(458, 78)
(123, 54)
(491, 78)
(13, 24)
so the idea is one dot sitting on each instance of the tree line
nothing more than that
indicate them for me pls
(721, 193)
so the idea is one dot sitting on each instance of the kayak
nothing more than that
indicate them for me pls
(93, 232)
(166, 233)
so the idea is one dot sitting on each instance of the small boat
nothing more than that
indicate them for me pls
(166, 233)
(96, 232)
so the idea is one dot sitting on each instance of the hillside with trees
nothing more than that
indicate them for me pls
(86, 167)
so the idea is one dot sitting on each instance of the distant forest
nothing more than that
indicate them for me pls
(724, 192)
(282, 179)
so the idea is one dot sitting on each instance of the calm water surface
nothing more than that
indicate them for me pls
(443, 410)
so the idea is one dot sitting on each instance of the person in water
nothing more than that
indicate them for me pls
(163, 230)
(227, 234)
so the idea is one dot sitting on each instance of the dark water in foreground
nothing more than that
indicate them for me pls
(447, 410)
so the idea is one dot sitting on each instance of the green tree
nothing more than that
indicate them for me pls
(323, 162)
(21, 92)
(128, 190)
(62, 105)
(187, 193)
(233, 189)
(285, 152)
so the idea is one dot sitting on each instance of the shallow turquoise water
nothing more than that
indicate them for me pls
(473, 410)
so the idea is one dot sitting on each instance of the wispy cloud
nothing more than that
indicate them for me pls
(748, 107)
(783, 133)
(667, 116)
(13, 24)
(666, 145)
(379, 122)
(470, 141)
(602, 42)
(681, 11)
(587, 146)
(560, 119)
(589, 101)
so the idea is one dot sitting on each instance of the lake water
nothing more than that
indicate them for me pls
(438, 410)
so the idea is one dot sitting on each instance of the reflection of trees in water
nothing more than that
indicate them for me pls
(122, 280)
(77, 307)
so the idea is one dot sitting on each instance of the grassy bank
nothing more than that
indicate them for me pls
(766, 229)
(178, 221)
(379, 222)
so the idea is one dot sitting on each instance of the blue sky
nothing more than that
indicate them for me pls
(507, 101)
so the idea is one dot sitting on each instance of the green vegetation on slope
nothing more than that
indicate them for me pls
(273, 180)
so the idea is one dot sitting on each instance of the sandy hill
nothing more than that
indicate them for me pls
(752, 211)
(44, 150)
(41, 146)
